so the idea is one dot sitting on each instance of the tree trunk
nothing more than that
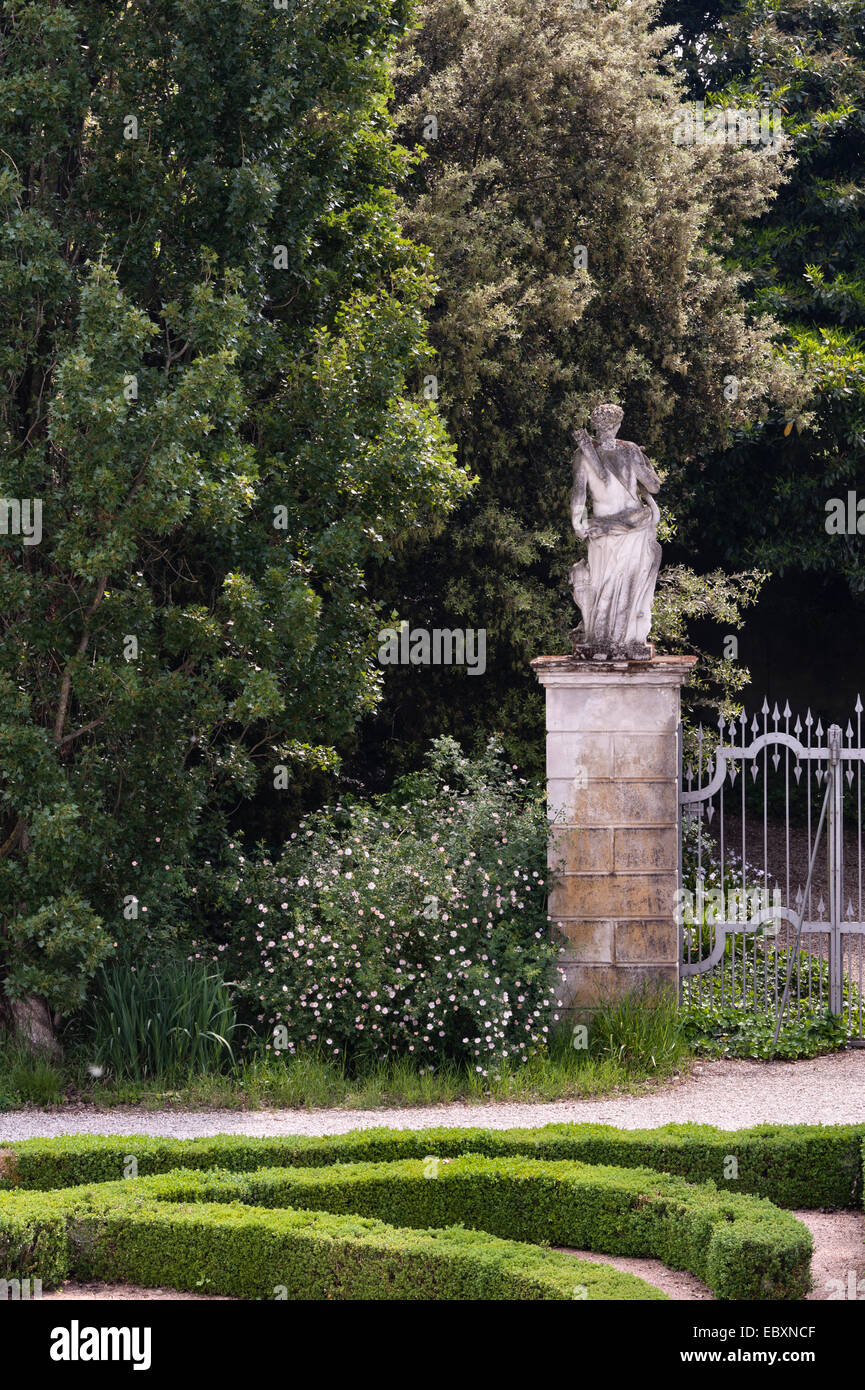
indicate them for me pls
(31, 1023)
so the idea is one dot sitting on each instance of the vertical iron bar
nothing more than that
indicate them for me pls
(744, 720)
(763, 897)
(859, 800)
(721, 812)
(834, 768)
(809, 905)
(699, 808)
(681, 913)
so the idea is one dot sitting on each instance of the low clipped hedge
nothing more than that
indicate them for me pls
(121, 1231)
(287, 1221)
(799, 1166)
(34, 1236)
(742, 1247)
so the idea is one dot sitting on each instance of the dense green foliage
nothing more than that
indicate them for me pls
(795, 1166)
(642, 1030)
(742, 1247)
(806, 260)
(211, 339)
(555, 132)
(171, 1022)
(413, 924)
(222, 233)
(251, 1072)
(732, 1009)
(140, 1232)
(146, 1229)
(719, 1027)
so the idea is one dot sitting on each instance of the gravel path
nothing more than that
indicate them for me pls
(838, 1262)
(125, 1293)
(678, 1284)
(732, 1095)
(837, 1265)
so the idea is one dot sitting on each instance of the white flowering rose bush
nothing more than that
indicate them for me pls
(412, 925)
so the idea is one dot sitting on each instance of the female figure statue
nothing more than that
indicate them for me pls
(615, 586)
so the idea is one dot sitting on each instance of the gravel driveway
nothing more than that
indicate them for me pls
(732, 1095)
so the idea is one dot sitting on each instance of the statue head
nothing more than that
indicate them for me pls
(605, 421)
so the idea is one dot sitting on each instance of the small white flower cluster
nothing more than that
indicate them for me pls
(420, 932)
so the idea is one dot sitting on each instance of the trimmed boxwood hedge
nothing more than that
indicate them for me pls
(742, 1247)
(119, 1231)
(34, 1236)
(799, 1166)
(288, 1201)
(169, 1227)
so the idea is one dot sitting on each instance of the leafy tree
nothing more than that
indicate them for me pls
(582, 255)
(212, 330)
(806, 257)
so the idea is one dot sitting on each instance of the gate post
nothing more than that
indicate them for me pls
(613, 800)
(835, 770)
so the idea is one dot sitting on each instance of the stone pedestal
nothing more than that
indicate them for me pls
(612, 790)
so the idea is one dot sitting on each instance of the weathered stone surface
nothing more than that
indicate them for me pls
(587, 850)
(571, 802)
(652, 847)
(646, 942)
(585, 987)
(587, 755)
(612, 764)
(644, 755)
(641, 709)
(613, 895)
(588, 942)
(649, 803)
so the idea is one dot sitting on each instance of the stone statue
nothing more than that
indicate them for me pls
(615, 586)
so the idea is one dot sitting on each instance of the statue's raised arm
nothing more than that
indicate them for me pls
(646, 473)
(615, 585)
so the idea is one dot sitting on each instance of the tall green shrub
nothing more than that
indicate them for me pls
(414, 924)
(211, 336)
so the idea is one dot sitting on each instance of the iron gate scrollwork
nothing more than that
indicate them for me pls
(771, 888)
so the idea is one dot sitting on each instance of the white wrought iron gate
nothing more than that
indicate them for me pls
(771, 874)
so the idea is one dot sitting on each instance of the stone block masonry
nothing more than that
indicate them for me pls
(612, 793)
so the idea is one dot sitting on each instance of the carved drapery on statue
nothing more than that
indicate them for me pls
(614, 587)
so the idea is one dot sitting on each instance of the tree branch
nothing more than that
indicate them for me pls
(66, 683)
